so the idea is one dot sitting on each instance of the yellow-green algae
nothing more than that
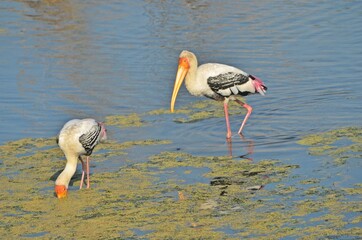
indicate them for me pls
(329, 144)
(310, 181)
(125, 121)
(137, 201)
(206, 109)
(193, 112)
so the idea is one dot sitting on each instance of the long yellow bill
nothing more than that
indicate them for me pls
(180, 76)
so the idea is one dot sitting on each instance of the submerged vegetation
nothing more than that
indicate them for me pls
(205, 109)
(155, 199)
(340, 144)
(194, 112)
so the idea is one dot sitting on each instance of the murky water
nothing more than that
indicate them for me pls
(75, 59)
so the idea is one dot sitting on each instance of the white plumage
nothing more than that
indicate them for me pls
(217, 81)
(77, 138)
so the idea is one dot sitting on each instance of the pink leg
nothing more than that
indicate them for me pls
(230, 146)
(88, 181)
(249, 109)
(83, 167)
(228, 134)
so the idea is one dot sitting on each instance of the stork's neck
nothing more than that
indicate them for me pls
(69, 170)
(191, 78)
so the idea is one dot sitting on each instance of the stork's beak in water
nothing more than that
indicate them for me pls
(259, 85)
(61, 191)
(182, 70)
(103, 131)
(261, 91)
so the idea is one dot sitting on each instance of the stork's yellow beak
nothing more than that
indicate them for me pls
(182, 70)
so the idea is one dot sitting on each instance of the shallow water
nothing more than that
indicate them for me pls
(77, 59)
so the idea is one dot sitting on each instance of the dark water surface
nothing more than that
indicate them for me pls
(75, 59)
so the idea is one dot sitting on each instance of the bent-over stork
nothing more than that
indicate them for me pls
(217, 81)
(77, 138)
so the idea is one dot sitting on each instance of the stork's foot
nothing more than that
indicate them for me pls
(230, 146)
(228, 136)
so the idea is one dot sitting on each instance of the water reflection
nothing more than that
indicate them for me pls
(61, 37)
(246, 147)
(52, 12)
(91, 58)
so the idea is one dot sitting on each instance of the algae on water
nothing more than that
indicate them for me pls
(142, 199)
(193, 112)
(206, 109)
(125, 121)
(341, 144)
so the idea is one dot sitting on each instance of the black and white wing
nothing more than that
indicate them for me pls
(230, 83)
(90, 139)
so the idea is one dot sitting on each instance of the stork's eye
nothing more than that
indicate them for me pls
(184, 62)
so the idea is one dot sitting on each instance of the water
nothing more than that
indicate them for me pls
(76, 59)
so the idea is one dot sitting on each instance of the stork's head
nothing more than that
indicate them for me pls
(61, 191)
(186, 60)
(103, 131)
(259, 85)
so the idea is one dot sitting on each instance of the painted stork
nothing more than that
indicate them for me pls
(216, 81)
(77, 138)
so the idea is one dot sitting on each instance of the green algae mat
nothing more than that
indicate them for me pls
(226, 198)
(194, 112)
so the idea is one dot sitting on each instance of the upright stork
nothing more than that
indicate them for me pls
(216, 81)
(77, 138)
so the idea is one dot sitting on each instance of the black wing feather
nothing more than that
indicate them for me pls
(90, 139)
(226, 80)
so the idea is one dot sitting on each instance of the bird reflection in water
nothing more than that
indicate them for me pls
(249, 147)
